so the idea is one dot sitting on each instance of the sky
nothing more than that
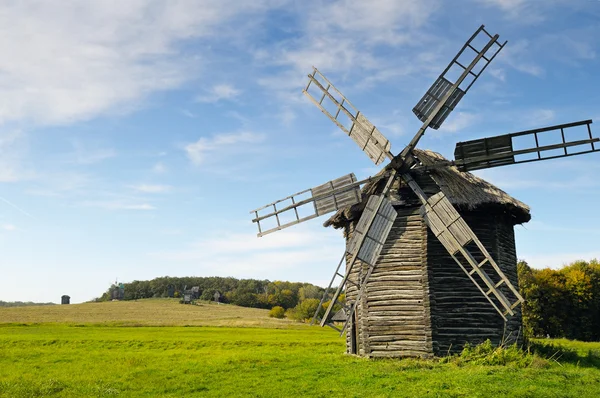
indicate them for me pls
(136, 136)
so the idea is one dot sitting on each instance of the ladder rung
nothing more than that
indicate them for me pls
(512, 307)
(473, 48)
(495, 286)
(478, 266)
(462, 66)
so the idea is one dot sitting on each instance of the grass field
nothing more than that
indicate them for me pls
(73, 352)
(150, 312)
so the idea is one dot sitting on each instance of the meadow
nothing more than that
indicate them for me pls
(161, 348)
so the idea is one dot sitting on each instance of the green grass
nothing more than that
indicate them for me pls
(63, 360)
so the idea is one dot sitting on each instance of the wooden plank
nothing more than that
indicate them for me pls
(366, 136)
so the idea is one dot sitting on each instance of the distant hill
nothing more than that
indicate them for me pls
(243, 292)
(21, 304)
(146, 312)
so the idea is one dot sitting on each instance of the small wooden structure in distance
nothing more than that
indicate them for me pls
(417, 302)
(64, 299)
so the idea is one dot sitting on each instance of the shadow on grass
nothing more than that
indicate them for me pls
(561, 354)
(536, 355)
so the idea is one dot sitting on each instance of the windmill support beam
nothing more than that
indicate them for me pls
(355, 254)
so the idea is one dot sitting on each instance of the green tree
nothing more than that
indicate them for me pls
(277, 312)
(306, 309)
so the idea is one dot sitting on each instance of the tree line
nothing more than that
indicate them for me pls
(558, 303)
(243, 292)
(563, 302)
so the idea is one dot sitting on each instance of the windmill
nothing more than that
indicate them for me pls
(379, 213)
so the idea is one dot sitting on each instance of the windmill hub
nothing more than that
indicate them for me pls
(486, 266)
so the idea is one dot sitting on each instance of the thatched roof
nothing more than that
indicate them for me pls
(464, 190)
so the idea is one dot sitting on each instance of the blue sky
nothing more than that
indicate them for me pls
(136, 136)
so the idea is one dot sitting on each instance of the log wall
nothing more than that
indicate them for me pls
(418, 302)
(459, 311)
(392, 318)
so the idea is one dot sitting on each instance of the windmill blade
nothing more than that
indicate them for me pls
(333, 195)
(501, 150)
(362, 131)
(444, 95)
(455, 235)
(366, 244)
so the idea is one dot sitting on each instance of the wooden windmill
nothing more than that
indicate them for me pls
(418, 280)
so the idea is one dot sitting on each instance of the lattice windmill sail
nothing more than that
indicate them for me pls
(403, 297)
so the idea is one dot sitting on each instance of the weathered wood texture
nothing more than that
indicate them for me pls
(392, 317)
(459, 312)
(418, 302)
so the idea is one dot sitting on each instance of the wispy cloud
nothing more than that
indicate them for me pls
(520, 56)
(76, 61)
(328, 41)
(244, 254)
(159, 168)
(198, 151)
(541, 116)
(117, 205)
(62, 183)
(512, 177)
(13, 152)
(188, 113)
(516, 9)
(9, 227)
(151, 188)
(86, 156)
(458, 122)
(219, 92)
(16, 207)
(498, 73)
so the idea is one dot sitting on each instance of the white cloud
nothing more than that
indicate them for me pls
(198, 151)
(520, 56)
(73, 61)
(151, 188)
(546, 175)
(159, 168)
(498, 73)
(13, 148)
(188, 113)
(541, 116)
(347, 36)
(459, 121)
(300, 248)
(83, 155)
(9, 227)
(219, 92)
(15, 207)
(534, 10)
(118, 205)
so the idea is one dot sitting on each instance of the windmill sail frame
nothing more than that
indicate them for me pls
(365, 244)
